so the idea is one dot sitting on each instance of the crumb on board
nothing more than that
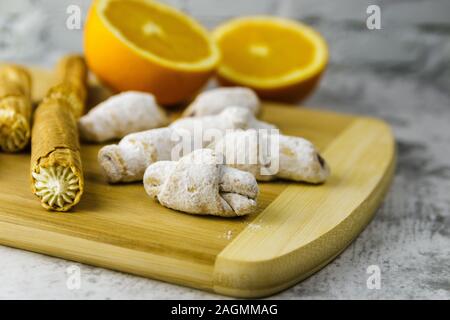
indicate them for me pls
(254, 226)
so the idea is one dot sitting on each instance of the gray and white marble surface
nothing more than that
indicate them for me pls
(400, 73)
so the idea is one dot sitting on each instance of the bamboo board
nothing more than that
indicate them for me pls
(299, 228)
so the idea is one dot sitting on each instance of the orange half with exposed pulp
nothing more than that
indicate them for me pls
(147, 46)
(280, 59)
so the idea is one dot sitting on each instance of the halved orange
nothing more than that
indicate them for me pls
(280, 59)
(147, 46)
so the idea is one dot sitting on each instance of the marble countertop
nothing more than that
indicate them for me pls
(400, 73)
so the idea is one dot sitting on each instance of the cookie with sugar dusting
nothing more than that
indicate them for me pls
(273, 156)
(199, 184)
(214, 101)
(127, 161)
(120, 115)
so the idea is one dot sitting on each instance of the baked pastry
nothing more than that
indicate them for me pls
(15, 108)
(214, 101)
(273, 156)
(127, 161)
(199, 184)
(122, 114)
(56, 170)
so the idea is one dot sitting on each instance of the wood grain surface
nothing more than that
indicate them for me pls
(298, 229)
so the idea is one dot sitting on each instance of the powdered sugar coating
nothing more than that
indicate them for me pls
(216, 100)
(232, 118)
(120, 115)
(127, 161)
(297, 159)
(202, 188)
(300, 161)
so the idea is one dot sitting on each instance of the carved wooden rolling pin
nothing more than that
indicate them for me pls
(56, 170)
(15, 108)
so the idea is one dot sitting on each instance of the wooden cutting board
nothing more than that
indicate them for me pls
(298, 230)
